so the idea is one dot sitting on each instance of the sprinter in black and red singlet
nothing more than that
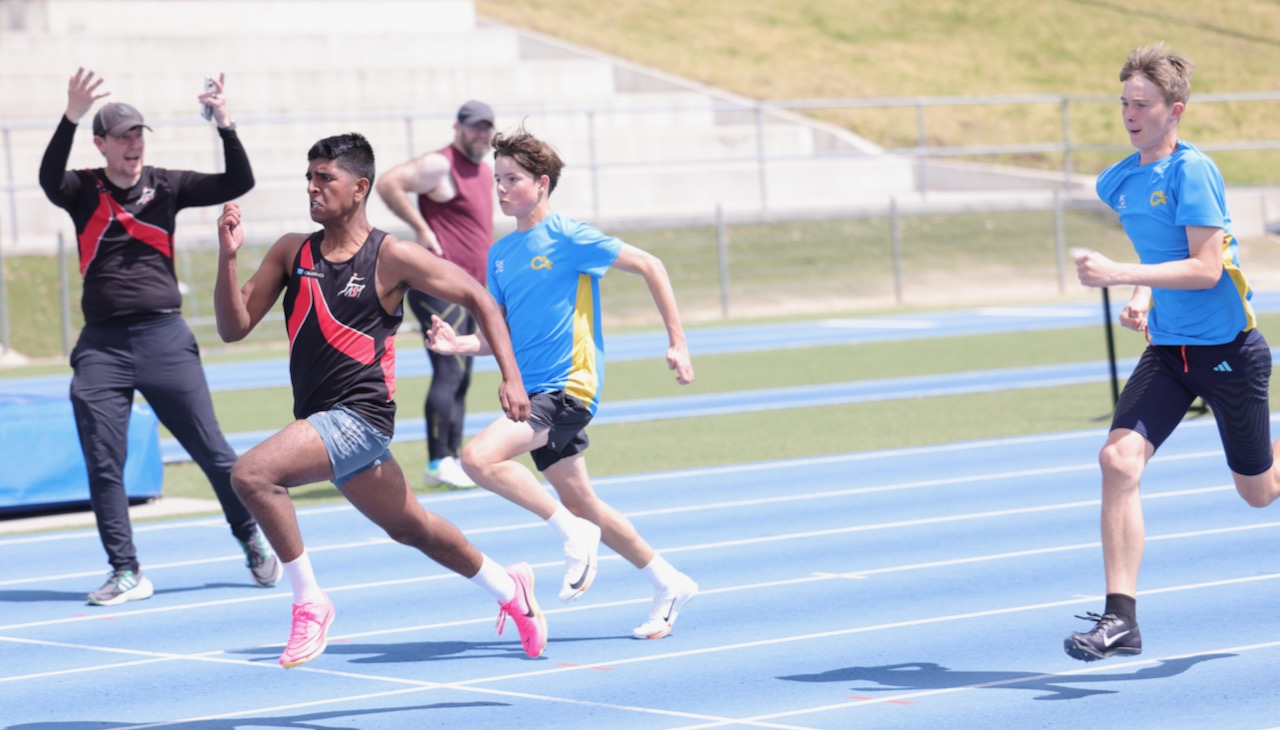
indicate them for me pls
(344, 288)
(134, 337)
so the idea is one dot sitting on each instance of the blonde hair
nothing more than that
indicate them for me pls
(1168, 70)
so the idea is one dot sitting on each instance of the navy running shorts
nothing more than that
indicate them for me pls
(1234, 381)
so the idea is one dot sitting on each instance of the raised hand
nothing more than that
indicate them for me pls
(82, 93)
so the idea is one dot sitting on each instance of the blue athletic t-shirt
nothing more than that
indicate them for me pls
(1156, 203)
(548, 280)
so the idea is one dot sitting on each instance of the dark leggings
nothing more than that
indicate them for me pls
(158, 358)
(445, 408)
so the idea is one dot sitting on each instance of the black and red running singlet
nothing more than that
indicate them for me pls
(341, 341)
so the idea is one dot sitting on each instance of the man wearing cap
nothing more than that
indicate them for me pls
(134, 337)
(453, 219)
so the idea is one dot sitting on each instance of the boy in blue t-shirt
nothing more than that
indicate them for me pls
(1192, 299)
(545, 276)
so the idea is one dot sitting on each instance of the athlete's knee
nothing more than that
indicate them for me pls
(477, 461)
(1121, 463)
(249, 478)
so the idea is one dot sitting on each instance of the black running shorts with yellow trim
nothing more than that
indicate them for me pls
(1234, 381)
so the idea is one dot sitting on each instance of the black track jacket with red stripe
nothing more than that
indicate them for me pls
(125, 236)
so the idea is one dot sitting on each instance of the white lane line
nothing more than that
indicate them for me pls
(785, 498)
(474, 684)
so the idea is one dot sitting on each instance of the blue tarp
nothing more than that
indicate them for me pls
(41, 465)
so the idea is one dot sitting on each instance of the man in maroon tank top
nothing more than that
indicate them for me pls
(453, 218)
(343, 288)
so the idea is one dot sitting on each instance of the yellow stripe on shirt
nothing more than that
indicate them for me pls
(583, 378)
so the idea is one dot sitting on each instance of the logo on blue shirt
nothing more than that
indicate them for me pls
(1158, 198)
(540, 262)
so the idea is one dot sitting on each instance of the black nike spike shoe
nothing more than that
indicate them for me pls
(1109, 636)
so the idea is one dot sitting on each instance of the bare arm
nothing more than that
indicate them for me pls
(419, 270)
(239, 310)
(636, 261)
(418, 176)
(1200, 270)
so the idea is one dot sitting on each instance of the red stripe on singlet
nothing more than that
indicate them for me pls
(389, 366)
(353, 343)
(302, 304)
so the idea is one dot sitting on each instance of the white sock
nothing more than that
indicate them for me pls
(660, 573)
(563, 522)
(496, 580)
(302, 579)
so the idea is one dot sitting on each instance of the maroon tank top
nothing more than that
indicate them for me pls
(464, 225)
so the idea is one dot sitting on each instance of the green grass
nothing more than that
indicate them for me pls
(807, 49)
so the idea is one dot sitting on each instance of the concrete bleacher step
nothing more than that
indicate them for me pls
(157, 90)
(254, 51)
(228, 18)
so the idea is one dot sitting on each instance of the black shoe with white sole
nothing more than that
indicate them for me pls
(1109, 636)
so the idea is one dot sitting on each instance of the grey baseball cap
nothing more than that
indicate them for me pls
(474, 112)
(116, 118)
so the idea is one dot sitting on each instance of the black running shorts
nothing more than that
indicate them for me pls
(566, 417)
(1233, 379)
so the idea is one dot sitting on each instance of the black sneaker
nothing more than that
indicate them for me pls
(1111, 635)
(121, 586)
(261, 559)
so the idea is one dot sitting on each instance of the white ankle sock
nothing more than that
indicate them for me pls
(660, 573)
(495, 579)
(564, 522)
(302, 579)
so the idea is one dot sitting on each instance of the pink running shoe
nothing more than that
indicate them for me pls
(523, 609)
(310, 633)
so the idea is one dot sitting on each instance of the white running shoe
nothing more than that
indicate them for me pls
(581, 560)
(666, 606)
(448, 473)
